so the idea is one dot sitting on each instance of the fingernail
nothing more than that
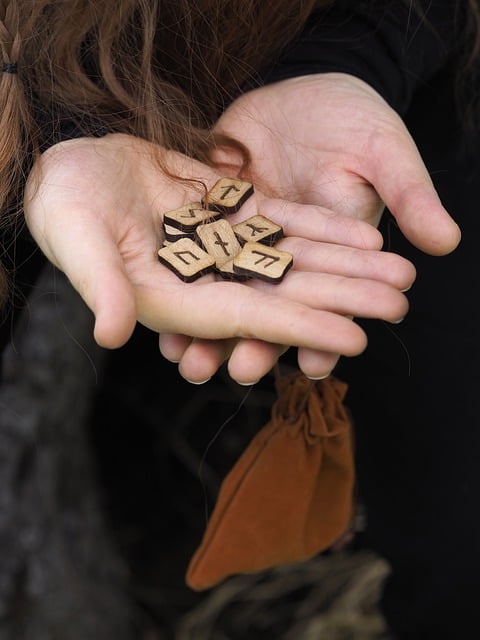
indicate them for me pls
(198, 382)
(247, 384)
(319, 377)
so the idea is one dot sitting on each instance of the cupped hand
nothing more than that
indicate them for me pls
(331, 140)
(95, 208)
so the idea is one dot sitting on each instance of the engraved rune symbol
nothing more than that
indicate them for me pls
(192, 213)
(180, 254)
(221, 243)
(265, 256)
(227, 190)
(255, 229)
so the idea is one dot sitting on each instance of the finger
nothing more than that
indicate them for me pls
(202, 359)
(248, 360)
(346, 261)
(357, 297)
(251, 360)
(318, 223)
(173, 345)
(401, 179)
(112, 300)
(218, 310)
(316, 364)
(95, 268)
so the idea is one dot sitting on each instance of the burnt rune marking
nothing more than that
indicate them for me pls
(192, 213)
(227, 190)
(256, 229)
(221, 243)
(180, 254)
(265, 256)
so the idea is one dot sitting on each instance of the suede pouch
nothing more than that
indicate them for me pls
(290, 495)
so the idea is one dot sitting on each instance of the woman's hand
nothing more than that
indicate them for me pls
(331, 140)
(95, 208)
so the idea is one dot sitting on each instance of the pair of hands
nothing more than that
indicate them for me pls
(322, 171)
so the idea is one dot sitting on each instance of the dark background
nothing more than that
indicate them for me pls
(109, 465)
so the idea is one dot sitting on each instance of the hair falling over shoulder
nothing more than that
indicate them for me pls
(162, 70)
(159, 69)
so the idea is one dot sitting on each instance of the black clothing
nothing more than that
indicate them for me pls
(412, 393)
(23, 261)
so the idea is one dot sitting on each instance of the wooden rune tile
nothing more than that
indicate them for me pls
(258, 228)
(260, 261)
(173, 234)
(219, 240)
(228, 195)
(226, 272)
(186, 259)
(188, 217)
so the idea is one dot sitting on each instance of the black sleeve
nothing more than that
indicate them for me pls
(55, 126)
(389, 44)
(58, 123)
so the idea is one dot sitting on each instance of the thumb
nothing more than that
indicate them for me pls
(402, 181)
(94, 266)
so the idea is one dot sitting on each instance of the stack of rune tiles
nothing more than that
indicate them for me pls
(200, 240)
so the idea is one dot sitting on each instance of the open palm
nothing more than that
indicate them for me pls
(330, 139)
(95, 208)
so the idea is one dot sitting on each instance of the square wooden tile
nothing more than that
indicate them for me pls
(188, 217)
(228, 195)
(219, 240)
(186, 259)
(257, 260)
(227, 272)
(258, 228)
(172, 234)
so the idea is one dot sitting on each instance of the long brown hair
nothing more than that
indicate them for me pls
(159, 69)
(162, 70)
